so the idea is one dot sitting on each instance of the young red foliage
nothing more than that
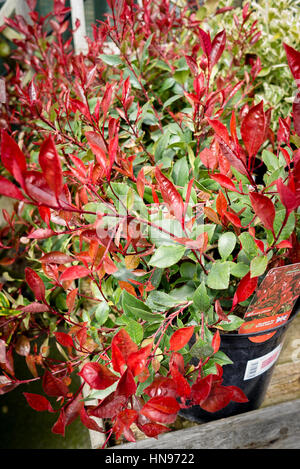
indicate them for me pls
(180, 338)
(97, 376)
(161, 409)
(12, 157)
(51, 167)
(35, 283)
(64, 339)
(170, 196)
(263, 208)
(54, 386)
(245, 288)
(37, 402)
(253, 129)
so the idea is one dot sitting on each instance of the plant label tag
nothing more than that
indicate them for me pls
(273, 302)
(258, 366)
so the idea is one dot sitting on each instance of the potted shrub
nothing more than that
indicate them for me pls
(141, 219)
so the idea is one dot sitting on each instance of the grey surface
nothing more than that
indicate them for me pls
(274, 427)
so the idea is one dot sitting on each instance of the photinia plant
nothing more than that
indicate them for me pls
(142, 220)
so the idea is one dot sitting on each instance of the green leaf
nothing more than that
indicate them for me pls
(219, 275)
(201, 350)
(221, 358)
(137, 309)
(226, 244)
(171, 100)
(101, 313)
(165, 256)
(187, 270)
(161, 145)
(235, 323)
(248, 245)
(160, 301)
(180, 172)
(111, 59)
(135, 330)
(239, 270)
(201, 299)
(258, 265)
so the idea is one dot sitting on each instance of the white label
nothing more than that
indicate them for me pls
(259, 365)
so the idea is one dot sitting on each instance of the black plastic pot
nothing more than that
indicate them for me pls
(251, 370)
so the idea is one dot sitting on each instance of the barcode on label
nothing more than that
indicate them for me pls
(259, 365)
(252, 370)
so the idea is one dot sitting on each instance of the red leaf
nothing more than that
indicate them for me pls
(118, 361)
(53, 386)
(140, 183)
(217, 47)
(137, 360)
(180, 338)
(64, 339)
(233, 218)
(226, 146)
(284, 244)
(162, 387)
(35, 308)
(126, 386)
(216, 341)
(74, 272)
(41, 233)
(287, 196)
(170, 196)
(56, 257)
(97, 376)
(12, 157)
(51, 167)
(60, 425)
(124, 420)
(221, 315)
(293, 58)
(263, 208)
(237, 395)
(201, 389)
(219, 397)
(221, 204)
(8, 189)
(177, 361)
(161, 409)
(35, 283)
(88, 422)
(200, 243)
(220, 130)
(37, 188)
(205, 42)
(98, 147)
(109, 407)
(246, 287)
(253, 129)
(224, 181)
(45, 214)
(208, 158)
(122, 347)
(234, 160)
(182, 386)
(70, 300)
(37, 402)
(296, 114)
(152, 430)
(73, 408)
